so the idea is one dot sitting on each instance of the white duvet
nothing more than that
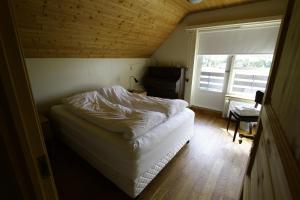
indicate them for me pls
(119, 111)
(119, 95)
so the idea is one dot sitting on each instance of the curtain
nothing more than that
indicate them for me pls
(192, 47)
(258, 40)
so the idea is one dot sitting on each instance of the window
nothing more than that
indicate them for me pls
(212, 72)
(249, 74)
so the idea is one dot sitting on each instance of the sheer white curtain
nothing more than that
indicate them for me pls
(192, 48)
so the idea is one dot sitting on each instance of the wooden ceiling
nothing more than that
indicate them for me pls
(101, 28)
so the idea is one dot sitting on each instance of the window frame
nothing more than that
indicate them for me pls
(231, 78)
(228, 75)
(225, 80)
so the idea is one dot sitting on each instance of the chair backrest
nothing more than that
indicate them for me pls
(259, 96)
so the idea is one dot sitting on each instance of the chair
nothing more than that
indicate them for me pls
(240, 117)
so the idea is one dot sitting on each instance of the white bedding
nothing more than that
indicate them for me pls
(129, 149)
(128, 137)
(129, 164)
(117, 110)
(119, 95)
(132, 123)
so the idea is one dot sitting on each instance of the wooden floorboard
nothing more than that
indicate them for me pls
(211, 166)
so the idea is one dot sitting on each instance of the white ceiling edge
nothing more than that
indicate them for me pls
(273, 21)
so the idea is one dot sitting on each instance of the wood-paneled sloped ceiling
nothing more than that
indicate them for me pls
(101, 28)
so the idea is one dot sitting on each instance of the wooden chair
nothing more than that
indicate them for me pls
(240, 118)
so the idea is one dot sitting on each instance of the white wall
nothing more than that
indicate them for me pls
(54, 78)
(174, 50)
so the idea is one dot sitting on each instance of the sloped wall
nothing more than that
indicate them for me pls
(174, 51)
(54, 78)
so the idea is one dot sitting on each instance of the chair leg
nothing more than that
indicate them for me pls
(236, 129)
(250, 128)
(229, 119)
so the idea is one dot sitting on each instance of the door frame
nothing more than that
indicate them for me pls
(270, 122)
(21, 132)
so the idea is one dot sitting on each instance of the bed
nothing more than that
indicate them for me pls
(129, 163)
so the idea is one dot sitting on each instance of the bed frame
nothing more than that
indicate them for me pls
(133, 186)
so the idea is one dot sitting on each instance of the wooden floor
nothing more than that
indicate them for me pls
(211, 166)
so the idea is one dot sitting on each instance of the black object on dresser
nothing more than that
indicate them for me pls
(165, 82)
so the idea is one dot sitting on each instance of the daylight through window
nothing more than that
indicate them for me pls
(212, 72)
(248, 73)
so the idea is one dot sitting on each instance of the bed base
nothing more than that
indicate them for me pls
(132, 185)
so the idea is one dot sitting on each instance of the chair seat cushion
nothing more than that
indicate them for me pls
(246, 111)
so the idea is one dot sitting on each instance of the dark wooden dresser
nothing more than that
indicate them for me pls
(165, 82)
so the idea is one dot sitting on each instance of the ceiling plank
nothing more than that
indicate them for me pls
(101, 28)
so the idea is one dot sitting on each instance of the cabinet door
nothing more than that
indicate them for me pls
(276, 156)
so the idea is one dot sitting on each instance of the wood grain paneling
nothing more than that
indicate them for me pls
(278, 150)
(101, 28)
(286, 97)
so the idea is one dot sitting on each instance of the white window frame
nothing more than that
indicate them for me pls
(227, 70)
(228, 76)
(231, 78)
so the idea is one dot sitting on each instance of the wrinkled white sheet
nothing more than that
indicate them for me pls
(132, 123)
(119, 95)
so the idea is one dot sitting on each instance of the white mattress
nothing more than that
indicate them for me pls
(125, 162)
